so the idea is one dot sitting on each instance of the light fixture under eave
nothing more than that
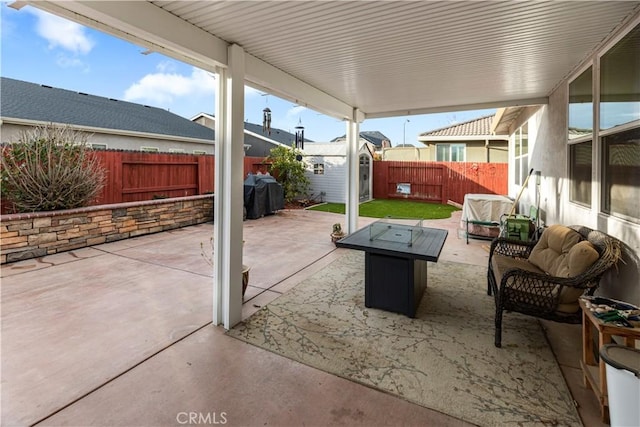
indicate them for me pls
(146, 52)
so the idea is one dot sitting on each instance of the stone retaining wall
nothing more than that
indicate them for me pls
(32, 235)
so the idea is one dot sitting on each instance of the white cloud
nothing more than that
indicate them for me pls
(162, 88)
(166, 67)
(62, 33)
(64, 61)
(296, 111)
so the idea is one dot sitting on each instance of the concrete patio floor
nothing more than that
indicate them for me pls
(120, 334)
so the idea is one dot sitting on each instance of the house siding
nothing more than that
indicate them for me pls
(332, 182)
(476, 151)
(549, 155)
(10, 133)
(258, 147)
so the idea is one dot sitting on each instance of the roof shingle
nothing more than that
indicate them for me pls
(473, 127)
(30, 101)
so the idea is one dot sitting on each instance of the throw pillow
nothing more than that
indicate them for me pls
(550, 253)
(581, 257)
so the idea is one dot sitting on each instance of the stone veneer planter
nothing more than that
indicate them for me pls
(32, 235)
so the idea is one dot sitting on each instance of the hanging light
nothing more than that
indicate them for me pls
(266, 120)
(299, 135)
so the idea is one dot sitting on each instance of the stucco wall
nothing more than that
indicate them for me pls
(549, 155)
(406, 153)
(475, 151)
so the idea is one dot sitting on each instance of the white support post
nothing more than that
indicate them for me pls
(353, 173)
(219, 190)
(229, 196)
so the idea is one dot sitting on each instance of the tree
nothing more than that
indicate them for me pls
(50, 168)
(288, 169)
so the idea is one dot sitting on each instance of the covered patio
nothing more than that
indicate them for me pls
(120, 334)
(355, 61)
(144, 349)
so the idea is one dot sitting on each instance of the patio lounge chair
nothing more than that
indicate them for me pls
(545, 278)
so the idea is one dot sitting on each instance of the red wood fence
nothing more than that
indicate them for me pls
(438, 181)
(136, 176)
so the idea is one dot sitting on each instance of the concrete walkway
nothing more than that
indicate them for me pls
(120, 334)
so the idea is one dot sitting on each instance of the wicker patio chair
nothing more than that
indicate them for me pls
(519, 285)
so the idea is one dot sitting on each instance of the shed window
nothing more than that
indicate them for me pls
(150, 149)
(318, 168)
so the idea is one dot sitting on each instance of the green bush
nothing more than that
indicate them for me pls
(50, 168)
(289, 172)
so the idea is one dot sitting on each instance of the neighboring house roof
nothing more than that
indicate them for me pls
(473, 128)
(577, 132)
(40, 103)
(373, 136)
(276, 136)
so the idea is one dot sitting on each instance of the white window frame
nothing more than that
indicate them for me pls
(583, 139)
(450, 147)
(598, 172)
(523, 158)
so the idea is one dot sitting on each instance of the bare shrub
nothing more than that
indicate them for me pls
(50, 168)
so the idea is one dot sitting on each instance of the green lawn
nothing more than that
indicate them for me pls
(393, 208)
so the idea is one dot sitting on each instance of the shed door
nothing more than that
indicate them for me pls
(365, 176)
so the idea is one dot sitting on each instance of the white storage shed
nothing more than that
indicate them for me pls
(326, 165)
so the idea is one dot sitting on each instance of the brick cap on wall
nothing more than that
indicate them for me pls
(31, 215)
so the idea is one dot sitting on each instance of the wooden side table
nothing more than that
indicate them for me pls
(594, 373)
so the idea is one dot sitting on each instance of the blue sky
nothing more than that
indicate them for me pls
(44, 49)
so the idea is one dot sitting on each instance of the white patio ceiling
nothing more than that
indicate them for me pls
(386, 58)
